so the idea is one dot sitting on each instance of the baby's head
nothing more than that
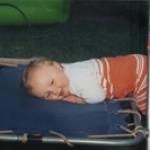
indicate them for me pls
(45, 79)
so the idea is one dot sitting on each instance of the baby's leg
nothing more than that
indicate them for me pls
(140, 92)
(141, 99)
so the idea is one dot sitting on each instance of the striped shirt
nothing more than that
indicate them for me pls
(123, 75)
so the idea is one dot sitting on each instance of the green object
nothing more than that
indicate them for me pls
(22, 12)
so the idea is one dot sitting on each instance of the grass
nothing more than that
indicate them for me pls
(76, 40)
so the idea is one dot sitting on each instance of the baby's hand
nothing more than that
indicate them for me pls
(74, 99)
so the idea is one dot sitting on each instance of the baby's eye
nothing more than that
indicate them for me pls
(52, 82)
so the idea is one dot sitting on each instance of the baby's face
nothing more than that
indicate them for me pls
(49, 82)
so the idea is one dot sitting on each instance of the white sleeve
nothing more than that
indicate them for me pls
(91, 91)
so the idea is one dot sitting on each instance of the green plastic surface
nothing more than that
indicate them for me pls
(19, 12)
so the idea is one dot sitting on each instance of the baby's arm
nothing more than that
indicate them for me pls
(74, 99)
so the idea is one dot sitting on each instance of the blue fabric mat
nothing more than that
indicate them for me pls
(26, 114)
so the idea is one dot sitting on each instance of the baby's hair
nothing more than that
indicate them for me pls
(33, 65)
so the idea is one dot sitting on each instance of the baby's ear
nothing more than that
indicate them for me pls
(57, 65)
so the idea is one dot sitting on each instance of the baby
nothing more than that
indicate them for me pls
(90, 81)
